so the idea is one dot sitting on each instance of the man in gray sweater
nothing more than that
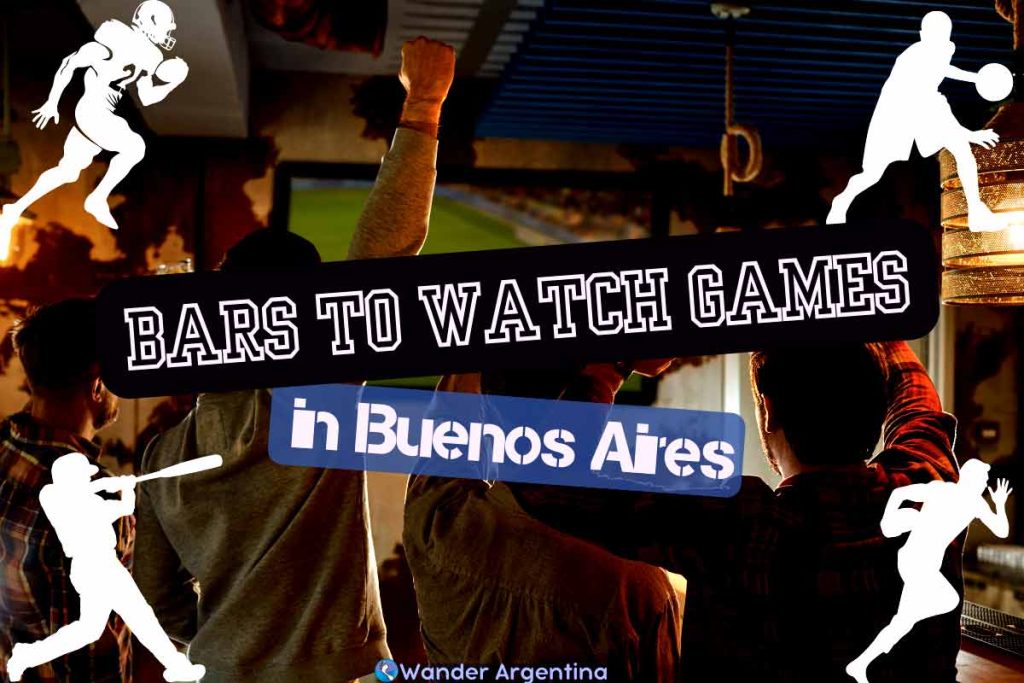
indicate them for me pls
(267, 571)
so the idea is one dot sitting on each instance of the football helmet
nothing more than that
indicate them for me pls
(156, 21)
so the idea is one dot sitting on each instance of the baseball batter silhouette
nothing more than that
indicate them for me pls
(947, 509)
(911, 109)
(84, 521)
(117, 57)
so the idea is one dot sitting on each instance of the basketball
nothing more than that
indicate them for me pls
(994, 82)
(172, 70)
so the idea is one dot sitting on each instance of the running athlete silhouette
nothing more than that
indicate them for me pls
(911, 109)
(947, 509)
(117, 57)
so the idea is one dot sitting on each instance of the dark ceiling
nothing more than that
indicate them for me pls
(652, 71)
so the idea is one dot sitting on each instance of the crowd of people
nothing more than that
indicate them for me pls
(266, 572)
(593, 214)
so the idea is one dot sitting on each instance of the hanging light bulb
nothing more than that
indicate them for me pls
(988, 267)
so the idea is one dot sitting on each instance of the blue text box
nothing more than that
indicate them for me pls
(504, 438)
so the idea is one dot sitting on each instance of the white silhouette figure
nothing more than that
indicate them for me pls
(84, 524)
(911, 109)
(118, 57)
(947, 509)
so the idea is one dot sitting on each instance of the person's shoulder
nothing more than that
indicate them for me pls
(114, 33)
(150, 57)
(932, 50)
(908, 53)
(894, 467)
(234, 398)
(916, 57)
(217, 419)
(25, 464)
(232, 410)
(166, 448)
(755, 487)
(755, 498)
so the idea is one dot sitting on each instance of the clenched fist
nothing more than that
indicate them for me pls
(428, 68)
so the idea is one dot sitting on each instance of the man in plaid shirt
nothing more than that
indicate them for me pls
(792, 584)
(68, 405)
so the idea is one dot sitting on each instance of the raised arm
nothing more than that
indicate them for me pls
(397, 212)
(996, 521)
(918, 435)
(86, 55)
(958, 74)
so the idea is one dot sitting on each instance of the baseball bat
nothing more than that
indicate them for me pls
(207, 462)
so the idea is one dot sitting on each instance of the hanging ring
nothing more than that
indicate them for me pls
(730, 154)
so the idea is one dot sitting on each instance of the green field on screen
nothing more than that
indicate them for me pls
(327, 216)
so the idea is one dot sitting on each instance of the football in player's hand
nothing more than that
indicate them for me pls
(172, 70)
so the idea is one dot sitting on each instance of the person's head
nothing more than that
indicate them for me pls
(818, 407)
(974, 475)
(57, 347)
(936, 26)
(270, 248)
(155, 20)
(73, 468)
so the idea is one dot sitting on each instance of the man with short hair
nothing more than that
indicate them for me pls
(789, 585)
(68, 405)
(282, 556)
